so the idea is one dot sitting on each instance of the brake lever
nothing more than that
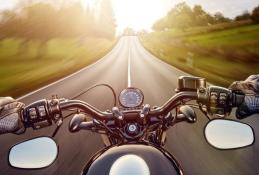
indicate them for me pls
(74, 124)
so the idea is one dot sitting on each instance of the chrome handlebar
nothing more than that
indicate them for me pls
(217, 99)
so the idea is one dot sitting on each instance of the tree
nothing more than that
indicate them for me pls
(8, 23)
(72, 20)
(255, 14)
(244, 16)
(40, 21)
(201, 16)
(160, 25)
(48, 19)
(219, 18)
(106, 26)
(182, 16)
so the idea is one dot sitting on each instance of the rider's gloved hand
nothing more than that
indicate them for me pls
(10, 116)
(249, 87)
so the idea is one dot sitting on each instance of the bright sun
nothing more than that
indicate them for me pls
(88, 3)
(136, 14)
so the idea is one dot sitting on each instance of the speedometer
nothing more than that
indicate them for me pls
(131, 98)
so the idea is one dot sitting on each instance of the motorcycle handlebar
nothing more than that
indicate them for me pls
(42, 113)
(173, 102)
(87, 108)
(99, 115)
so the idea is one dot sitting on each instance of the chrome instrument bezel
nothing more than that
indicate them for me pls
(131, 89)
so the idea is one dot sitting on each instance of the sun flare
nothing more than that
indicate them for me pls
(137, 14)
(88, 3)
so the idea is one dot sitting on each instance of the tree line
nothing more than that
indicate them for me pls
(246, 15)
(182, 16)
(44, 20)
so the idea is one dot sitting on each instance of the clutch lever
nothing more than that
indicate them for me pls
(78, 122)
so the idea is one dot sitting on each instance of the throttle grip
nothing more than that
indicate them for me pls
(10, 116)
(220, 101)
(249, 107)
(237, 98)
(253, 102)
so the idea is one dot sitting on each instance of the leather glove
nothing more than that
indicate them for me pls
(250, 88)
(11, 116)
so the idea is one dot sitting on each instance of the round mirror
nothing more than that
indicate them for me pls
(228, 134)
(36, 153)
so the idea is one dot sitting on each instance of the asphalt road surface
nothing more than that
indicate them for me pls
(129, 64)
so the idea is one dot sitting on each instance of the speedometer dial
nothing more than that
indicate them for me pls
(131, 98)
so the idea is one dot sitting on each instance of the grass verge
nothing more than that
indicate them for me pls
(28, 65)
(221, 55)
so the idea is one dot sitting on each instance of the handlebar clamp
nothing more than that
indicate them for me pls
(54, 109)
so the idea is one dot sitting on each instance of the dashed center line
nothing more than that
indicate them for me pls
(129, 68)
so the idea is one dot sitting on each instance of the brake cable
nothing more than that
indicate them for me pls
(92, 87)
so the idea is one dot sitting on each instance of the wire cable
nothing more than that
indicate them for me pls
(90, 88)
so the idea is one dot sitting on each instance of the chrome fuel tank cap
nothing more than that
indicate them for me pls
(129, 165)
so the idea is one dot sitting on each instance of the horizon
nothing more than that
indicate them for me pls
(129, 13)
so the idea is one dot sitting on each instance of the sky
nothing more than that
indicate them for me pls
(6, 4)
(141, 14)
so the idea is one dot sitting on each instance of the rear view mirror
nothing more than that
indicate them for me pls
(36, 153)
(228, 134)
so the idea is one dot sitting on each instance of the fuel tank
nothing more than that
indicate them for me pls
(133, 159)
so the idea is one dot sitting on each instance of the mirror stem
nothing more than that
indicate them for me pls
(59, 123)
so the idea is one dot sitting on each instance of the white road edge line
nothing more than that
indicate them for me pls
(129, 77)
(62, 79)
(165, 63)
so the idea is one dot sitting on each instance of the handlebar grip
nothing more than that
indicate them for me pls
(249, 107)
(253, 102)
(237, 99)
(10, 124)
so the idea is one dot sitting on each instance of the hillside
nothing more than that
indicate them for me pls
(221, 53)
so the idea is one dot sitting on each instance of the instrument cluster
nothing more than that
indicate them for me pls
(131, 98)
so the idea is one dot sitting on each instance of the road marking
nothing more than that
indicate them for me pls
(138, 42)
(129, 77)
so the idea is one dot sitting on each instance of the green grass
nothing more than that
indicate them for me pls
(221, 55)
(242, 37)
(203, 30)
(225, 37)
(26, 66)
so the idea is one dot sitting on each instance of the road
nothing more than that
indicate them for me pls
(129, 64)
